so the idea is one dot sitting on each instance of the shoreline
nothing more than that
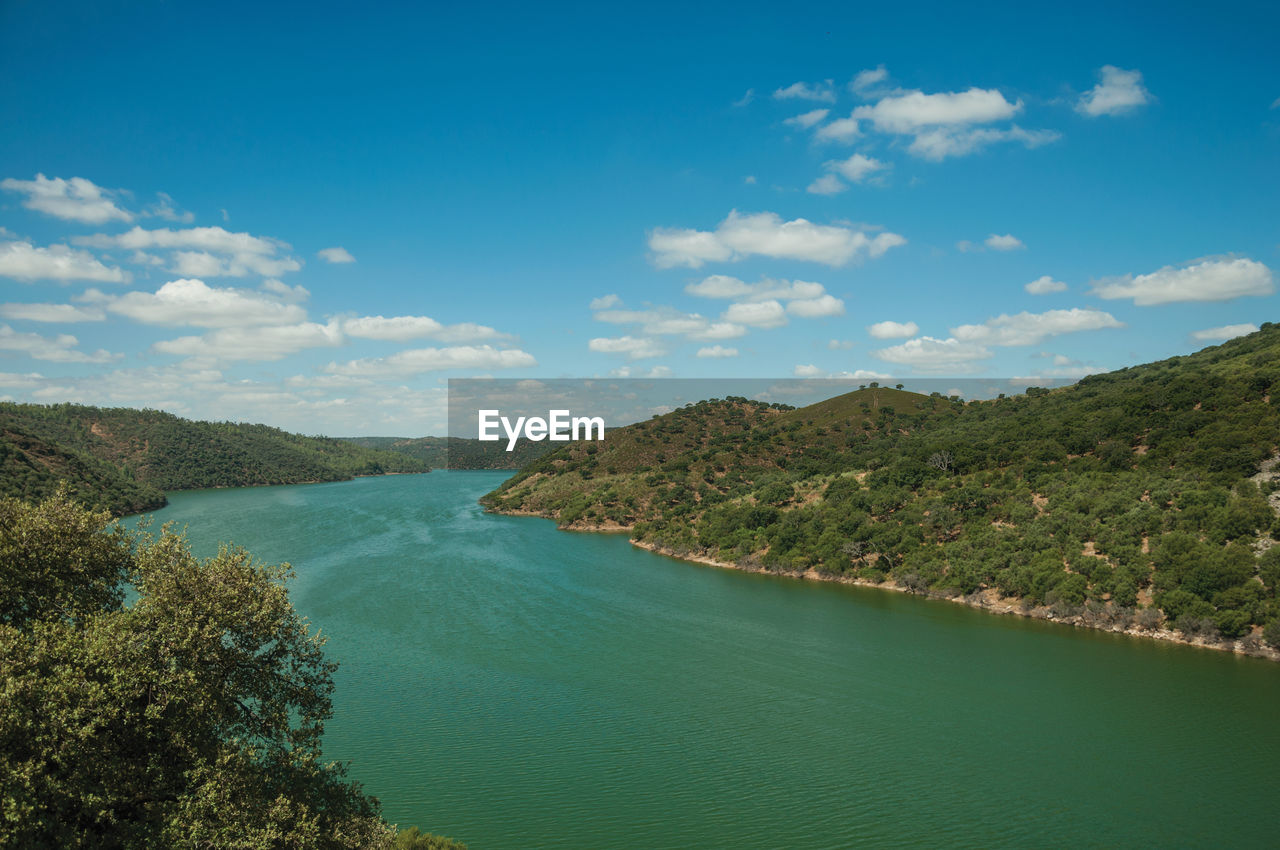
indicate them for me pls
(988, 600)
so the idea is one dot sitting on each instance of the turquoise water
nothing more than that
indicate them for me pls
(516, 686)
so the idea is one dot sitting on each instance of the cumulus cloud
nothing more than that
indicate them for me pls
(843, 130)
(816, 308)
(1117, 92)
(24, 261)
(716, 352)
(805, 120)
(1045, 285)
(253, 343)
(856, 168)
(928, 354)
(804, 91)
(942, 124)
(51, 313)
(604, 302)
(418, 360)
(1007, 242)
(827, 184)
(1032, 328)
(1224, 333)
(757, 314)
(1212, 279)
(893, 330)
(404, 328)
(336, 254)
(204, 251)
(808, 370)
(635, 348)
(765, 234)
(76, 199)
(864, 80)
(193, 302)
(55, 349)
(165, 208)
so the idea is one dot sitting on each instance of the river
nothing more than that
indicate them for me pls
(516, 686)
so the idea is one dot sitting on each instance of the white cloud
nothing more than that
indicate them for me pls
(750, 180)
(804, 91)
(51, 313)
(805, 120)
(76, 199)
(843, 130)
(893, 330)
(827, 184)
(336, 254)
(766, 234)
(914, 111)
(1007, 242)
(1032, 328)
(404, 328)
(939, 143)
(635, 348)
(16, 381)
(868, 78)
(808, 370)
(716, 352)
(815, 308)
(193, 302)
(855, 168)
(1119, 91)
(746, 98)
(1224, 333)
(196, 250)
(164, 208)
(419, 360)
(935, 355)
(604, 302)
(253, 343)
(55, 349)
(840, 344)
(757, 314)
(1045, 285)
(723, 286)
(26, 262)
(1212, 279)
(719, 286)
(942, 123)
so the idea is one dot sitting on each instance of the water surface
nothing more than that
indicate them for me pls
(516, 686)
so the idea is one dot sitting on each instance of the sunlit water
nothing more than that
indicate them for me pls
(516, 686)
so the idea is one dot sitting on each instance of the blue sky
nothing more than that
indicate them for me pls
(696, 190)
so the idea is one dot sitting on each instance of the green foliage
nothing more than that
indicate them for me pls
(1124, 484)
(124, 460)
(188, 714)
(413, 839)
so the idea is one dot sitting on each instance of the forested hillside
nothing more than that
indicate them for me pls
(459, 453)
(1138, 499)
(125, 460)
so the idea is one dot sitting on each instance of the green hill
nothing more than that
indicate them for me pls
(125, 460)
(1132, 500)
(458, 452)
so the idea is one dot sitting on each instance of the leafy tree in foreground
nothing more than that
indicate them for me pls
(190, 716)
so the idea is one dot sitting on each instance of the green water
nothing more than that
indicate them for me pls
(516, 686)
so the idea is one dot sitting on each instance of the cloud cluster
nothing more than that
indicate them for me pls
(1033, 328)
(1212, 279)
(21, 260)
(76, 199)
(1118, 91)
(203, 251)
(765, 234)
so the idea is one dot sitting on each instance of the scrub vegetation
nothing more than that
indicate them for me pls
(1142, 499)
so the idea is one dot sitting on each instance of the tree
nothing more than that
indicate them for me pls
(190, 716)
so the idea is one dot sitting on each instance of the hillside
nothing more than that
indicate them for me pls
(457, 452)
(125, 460)
(1130, 500)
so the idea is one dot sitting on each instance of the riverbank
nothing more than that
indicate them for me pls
(988, 600)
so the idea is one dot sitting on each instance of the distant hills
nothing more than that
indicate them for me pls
(459, 452)
(1140, 499)
(125, 460)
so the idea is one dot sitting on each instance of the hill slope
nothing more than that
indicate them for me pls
(124, 459)
(1128, 500)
